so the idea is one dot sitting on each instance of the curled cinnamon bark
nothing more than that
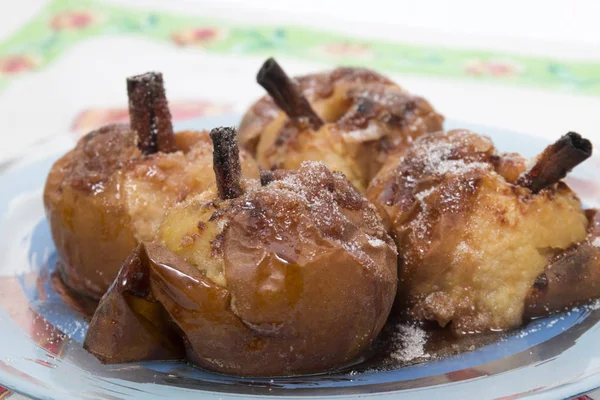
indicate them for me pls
(266, 177)
(556, 161)
(285, 93)
(226, 162)
(149, 113)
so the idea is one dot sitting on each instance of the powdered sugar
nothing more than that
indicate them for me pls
(435, 154)
(436, 160)
(594, 305)
(424, 194)
(325, 195)
(419, 224)
(388, 99)
(526, 332)
(463, 251)
(456, 167)
(371, 132)
(438, 157)
(409, 342)
(376, 242)
(596, 242)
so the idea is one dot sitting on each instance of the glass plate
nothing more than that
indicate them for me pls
(41, 352)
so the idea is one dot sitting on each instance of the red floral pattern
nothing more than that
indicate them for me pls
(347, 49)
(496, 68)
(16, 64)
(200, 36)
(72, 20)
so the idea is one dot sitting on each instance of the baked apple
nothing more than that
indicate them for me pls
(292, 274)
(571, 277)
(483, 241)
(348, 118)
(111, 191)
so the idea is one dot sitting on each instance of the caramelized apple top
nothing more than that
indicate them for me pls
(352, 97)
(299, 216)
(321, 85)
(433, 159)
(98, 155)
(108, 164)
(351, 119)
(472, 240)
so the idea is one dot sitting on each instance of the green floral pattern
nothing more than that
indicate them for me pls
(65, 22)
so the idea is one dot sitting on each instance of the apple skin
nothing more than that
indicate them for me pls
(308, 280)
(104, 197)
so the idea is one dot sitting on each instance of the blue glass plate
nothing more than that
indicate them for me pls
(41, 352)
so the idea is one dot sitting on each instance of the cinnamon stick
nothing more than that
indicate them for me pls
(266, 177)
(149, 113)
(226, 162)
(285, 93)
(556, 161)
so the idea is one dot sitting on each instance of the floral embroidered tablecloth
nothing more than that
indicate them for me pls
(76, 54)
(62, 72)
(63, 24)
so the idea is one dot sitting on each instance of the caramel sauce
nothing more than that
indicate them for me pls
(386, 352)
(84, 305)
